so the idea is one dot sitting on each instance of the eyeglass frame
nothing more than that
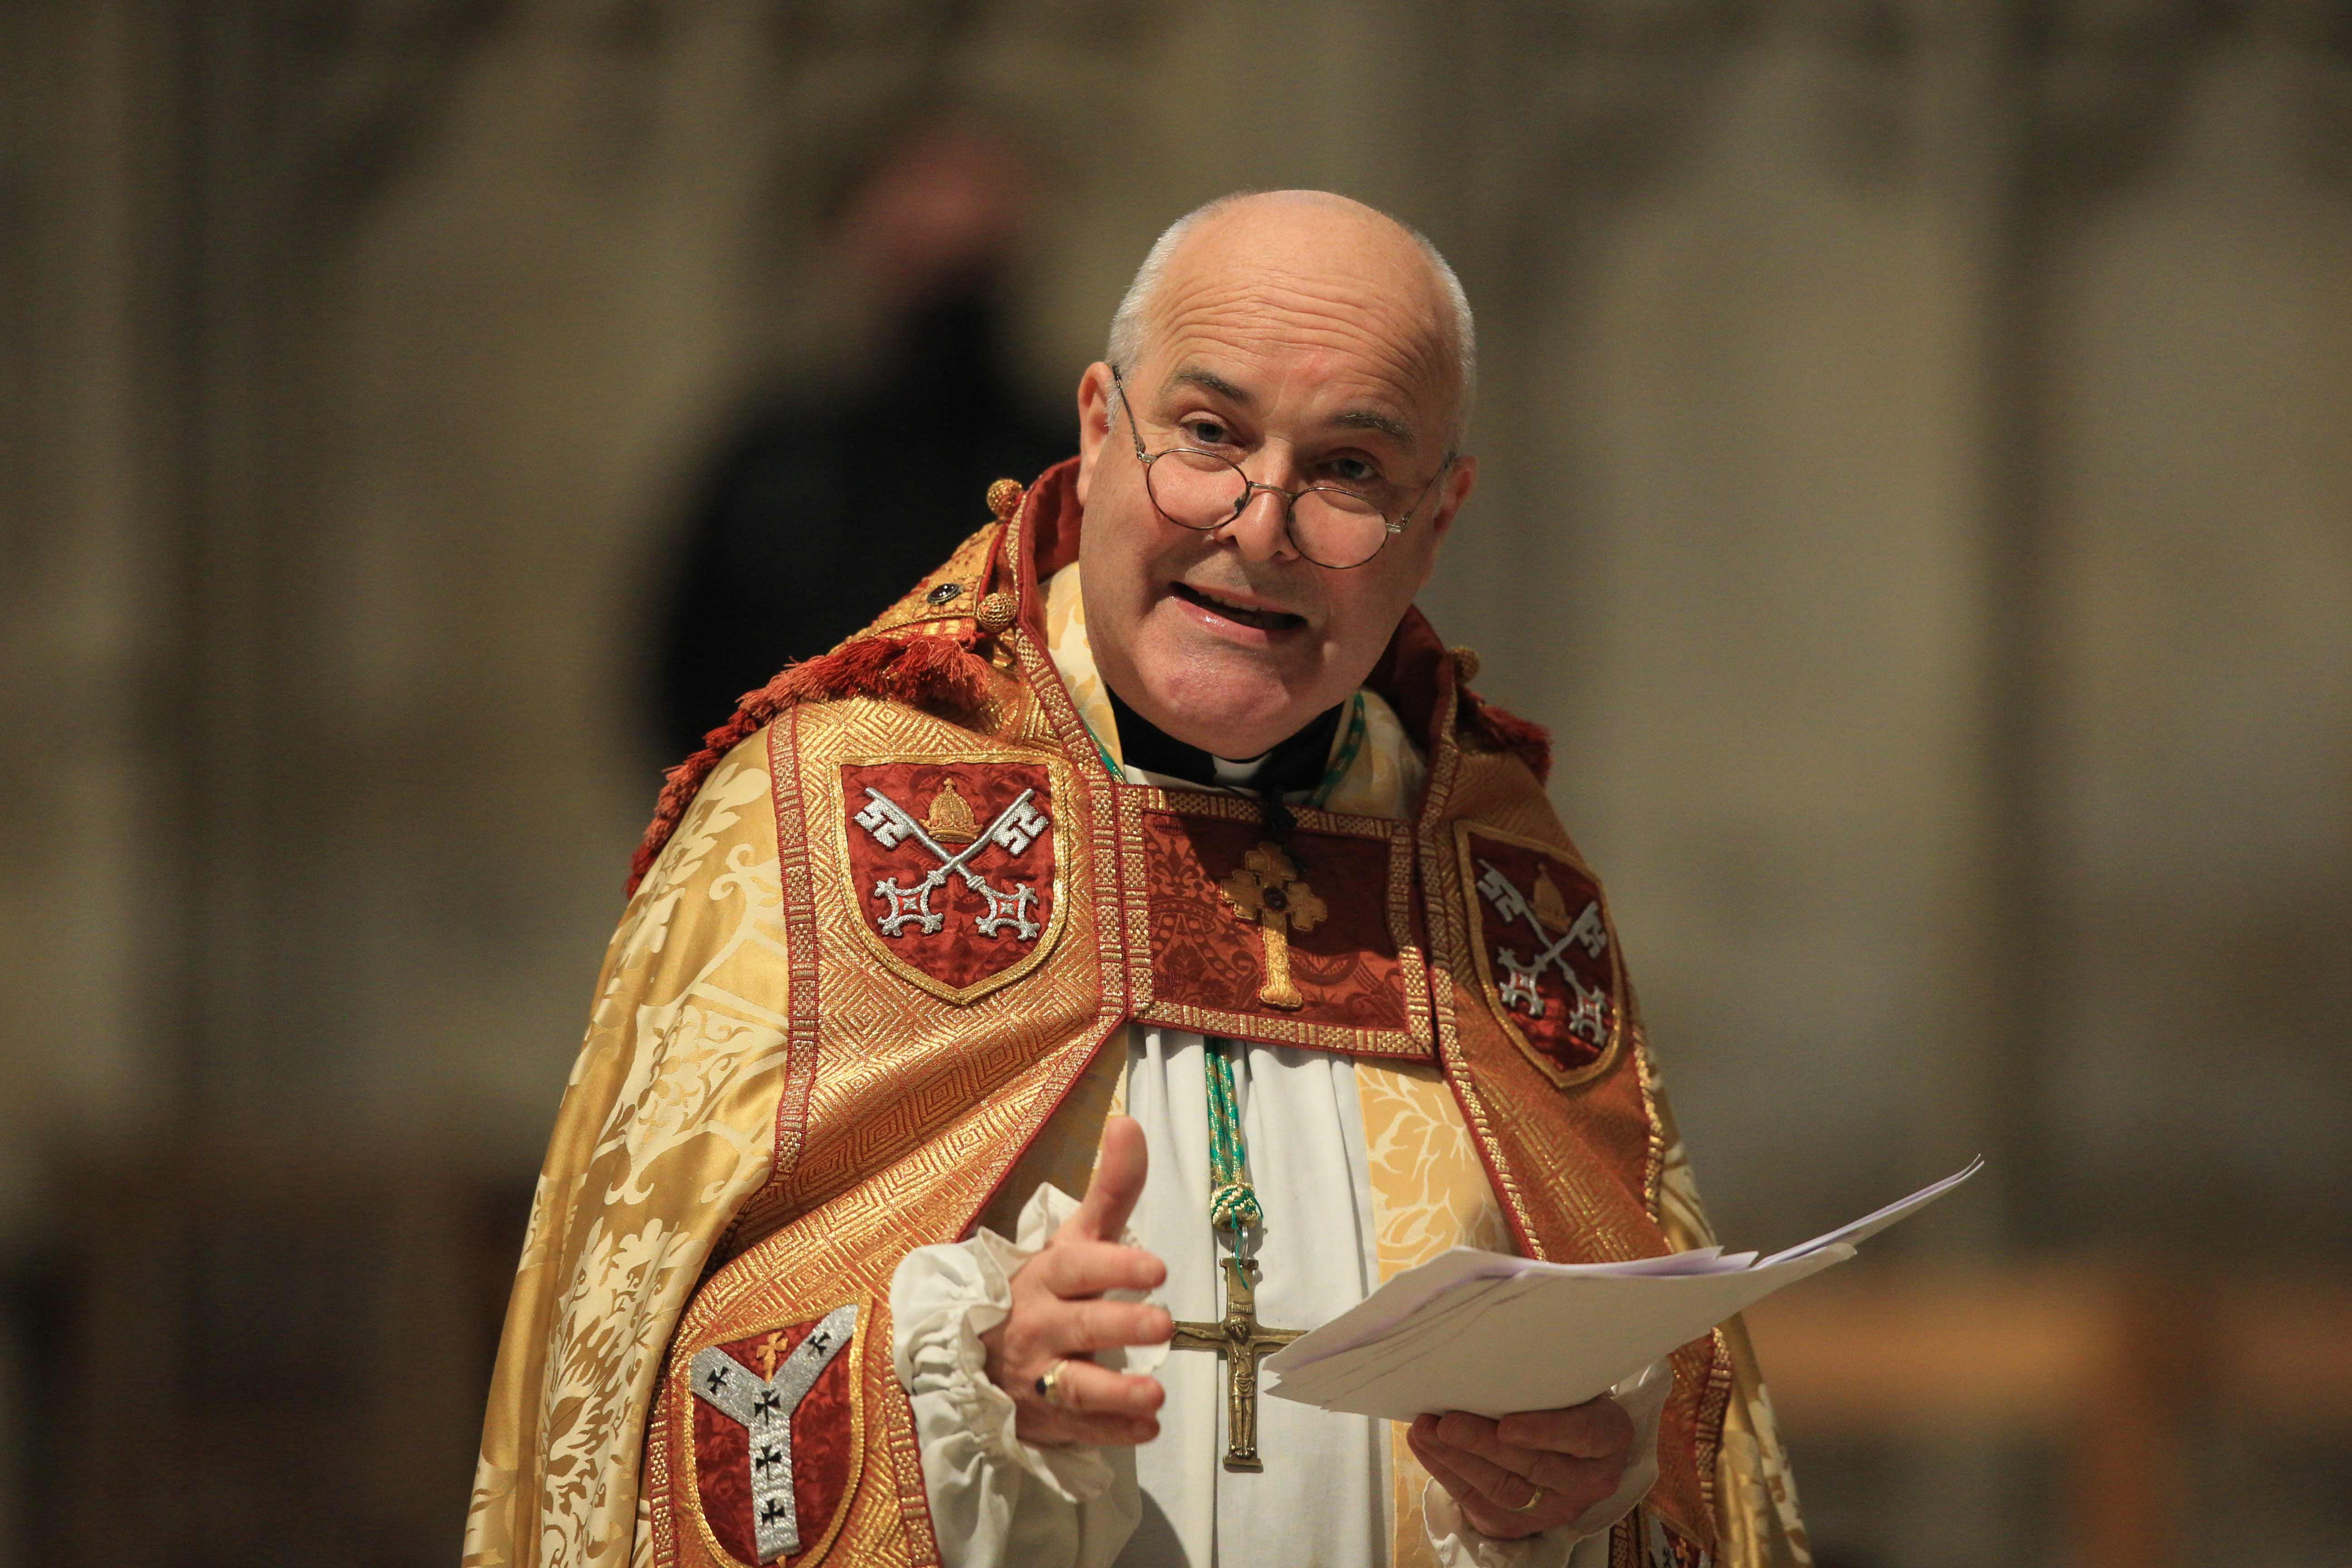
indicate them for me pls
(1391, 526)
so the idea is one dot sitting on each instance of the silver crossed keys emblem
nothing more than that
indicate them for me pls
(1547, 912)
(764, 1406)
(950, 822)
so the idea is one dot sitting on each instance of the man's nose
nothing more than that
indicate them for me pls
(1262, 527)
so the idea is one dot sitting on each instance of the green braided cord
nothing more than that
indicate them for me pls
(1233, 1203)
(1234, 1206)
(1352, 743)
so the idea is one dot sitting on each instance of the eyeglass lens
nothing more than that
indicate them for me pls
(1330, 527)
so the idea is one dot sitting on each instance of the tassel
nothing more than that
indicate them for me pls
(937, 673)
(1525, 739)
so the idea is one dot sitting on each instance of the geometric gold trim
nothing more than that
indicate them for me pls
(1563, 1077)
(682, 1439)
(960, 995)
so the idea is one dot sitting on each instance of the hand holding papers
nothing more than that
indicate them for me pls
(1490, 1334)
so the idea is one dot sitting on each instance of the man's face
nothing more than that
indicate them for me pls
(1302, 342)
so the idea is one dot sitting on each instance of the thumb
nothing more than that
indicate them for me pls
(1117, 1183)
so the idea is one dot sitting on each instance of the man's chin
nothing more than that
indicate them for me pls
(1235, 717)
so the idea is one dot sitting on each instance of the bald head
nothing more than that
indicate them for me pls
(1283, 343)
(1267, 244)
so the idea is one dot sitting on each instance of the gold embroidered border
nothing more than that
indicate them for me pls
(682, 1433)
(1714, 1404)
(798, 914)
(1653, 1177)
(876, 946)
(1626, 1541)
(1416, 1040)
(1120, 912)
(653, 1493)
(1563, 1077)
(1449, 946)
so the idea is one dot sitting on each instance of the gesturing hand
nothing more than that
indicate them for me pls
(1528, 1472)
(1058, 1316)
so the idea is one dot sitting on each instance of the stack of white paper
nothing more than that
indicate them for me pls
(1490, 1334)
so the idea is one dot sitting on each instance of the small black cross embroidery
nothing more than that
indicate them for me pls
(717, 1380)
(768, 1404)
(772, 1511)
(767, 1458)
(820, 1340)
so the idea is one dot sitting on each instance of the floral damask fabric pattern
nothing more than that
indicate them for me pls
(1430, 1192)
(667, 1123)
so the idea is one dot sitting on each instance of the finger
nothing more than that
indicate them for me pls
(1086, 1389)
(1118, 1183)
(1433, 1458)
(1581, 1481)
(1080, 1328)
(1486, 1478)
(1483, 1516)
(1076, 1269)
(1549, 1469)
(1597, 1430)
(1477, 1434)
(1047, 1427)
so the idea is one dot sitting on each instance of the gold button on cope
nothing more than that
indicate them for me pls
(995, 613)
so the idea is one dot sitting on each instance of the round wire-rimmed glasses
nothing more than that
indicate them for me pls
(1331, 525)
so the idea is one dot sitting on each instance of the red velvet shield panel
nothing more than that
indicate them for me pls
(1546, 950)
(951, 864)
(824, 1450)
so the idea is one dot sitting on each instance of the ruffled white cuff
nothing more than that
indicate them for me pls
(1459, 1545)
(995, 1499)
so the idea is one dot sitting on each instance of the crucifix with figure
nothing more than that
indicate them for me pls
(1238, 1336)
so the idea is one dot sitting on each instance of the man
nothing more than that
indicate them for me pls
(1152, 847)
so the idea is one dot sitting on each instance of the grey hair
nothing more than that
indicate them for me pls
(1129, 326)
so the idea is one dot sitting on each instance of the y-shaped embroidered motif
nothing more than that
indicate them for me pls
(764, 1406)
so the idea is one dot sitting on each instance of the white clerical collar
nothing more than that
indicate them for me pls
(1232, 774)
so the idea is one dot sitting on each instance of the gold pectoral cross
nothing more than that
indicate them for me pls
(1238, 1337)
(1268, 891)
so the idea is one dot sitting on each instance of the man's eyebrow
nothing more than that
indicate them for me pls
(1210, 380)
(1388, 425)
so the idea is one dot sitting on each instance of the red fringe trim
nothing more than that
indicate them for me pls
(938, 673)
(1529, 741)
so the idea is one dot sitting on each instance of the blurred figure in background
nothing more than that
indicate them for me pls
(828, 501)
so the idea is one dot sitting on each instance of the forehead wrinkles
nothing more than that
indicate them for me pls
(1390, 342)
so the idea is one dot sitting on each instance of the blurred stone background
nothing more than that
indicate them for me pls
(1915, 490)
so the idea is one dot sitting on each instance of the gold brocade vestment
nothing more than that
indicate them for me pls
(887, 942)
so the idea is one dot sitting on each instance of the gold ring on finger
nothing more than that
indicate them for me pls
(1049, 1382)
(1530, 1506)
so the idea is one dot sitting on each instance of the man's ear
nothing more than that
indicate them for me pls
(1094, 422)
(1459, 483)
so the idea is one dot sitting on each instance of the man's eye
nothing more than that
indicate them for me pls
(1353, 471)
(1205, 432)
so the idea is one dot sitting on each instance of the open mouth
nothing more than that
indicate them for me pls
(1240, 614)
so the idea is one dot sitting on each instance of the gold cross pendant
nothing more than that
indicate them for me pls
(1238, 1337)
(1268, 891)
